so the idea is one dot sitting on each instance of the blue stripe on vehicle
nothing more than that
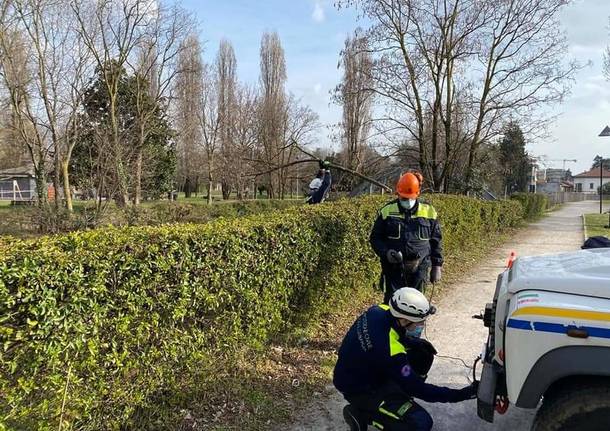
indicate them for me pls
(519, 324)
(556, 328)
(597, 332)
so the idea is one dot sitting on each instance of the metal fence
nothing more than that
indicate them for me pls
(562, 197)
(17, 195)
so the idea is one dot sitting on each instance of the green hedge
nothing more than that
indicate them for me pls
(29, 220)
(96, 324)
(171, 212)
(534, 204)
(467, 222)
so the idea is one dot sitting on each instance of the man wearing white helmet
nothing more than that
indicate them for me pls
(382, 366)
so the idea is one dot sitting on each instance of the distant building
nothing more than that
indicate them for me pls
(588, 181)
(17, 184)
(557, 175)
(555, 187)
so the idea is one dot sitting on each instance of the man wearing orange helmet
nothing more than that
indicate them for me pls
(407, 238)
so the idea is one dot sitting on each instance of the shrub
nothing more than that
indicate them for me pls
(30, 221)
(534, 204)
(96, 324)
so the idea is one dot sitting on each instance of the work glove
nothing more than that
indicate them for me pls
(394, 256)
(435, 274)
(470, 391)
(426, 346)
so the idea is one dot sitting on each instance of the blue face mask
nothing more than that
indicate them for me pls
(416, 332)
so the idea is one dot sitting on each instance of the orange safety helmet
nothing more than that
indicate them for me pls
(409, 184)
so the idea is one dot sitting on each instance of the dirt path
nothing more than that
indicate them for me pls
(455, 334)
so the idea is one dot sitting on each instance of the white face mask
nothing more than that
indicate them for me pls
(407, 203)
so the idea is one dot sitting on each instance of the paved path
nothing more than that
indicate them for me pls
(455, 334)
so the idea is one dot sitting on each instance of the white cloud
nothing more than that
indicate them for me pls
(317, 88)
(318, 14)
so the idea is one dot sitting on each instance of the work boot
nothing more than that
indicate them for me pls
(354, 418)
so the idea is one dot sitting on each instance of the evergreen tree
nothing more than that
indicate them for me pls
(96, 163)
(514, 160)
(597, 160)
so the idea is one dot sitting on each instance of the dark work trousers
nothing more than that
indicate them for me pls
(391, 409)
(394, 279)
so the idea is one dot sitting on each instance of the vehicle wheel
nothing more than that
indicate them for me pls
(578, 406)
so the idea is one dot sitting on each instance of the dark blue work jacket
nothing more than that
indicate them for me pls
(415, 233)
(372, 354)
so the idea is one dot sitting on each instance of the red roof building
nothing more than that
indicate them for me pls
(593, 173)
(588, 181)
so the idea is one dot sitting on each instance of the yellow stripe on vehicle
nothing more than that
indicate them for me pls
(562, 312)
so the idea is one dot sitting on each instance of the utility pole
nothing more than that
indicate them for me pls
(604, 133)
(601, 182)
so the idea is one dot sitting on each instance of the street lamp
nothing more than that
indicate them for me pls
(604, 133)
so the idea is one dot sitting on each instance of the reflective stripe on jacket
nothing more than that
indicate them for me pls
(415, 232)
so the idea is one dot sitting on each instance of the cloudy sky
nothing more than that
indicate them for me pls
(313, 32)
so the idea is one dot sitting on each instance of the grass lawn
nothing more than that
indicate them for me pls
(594, 225)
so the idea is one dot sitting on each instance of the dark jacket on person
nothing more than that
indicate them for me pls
(319, 195)
(416, 233)
(373, 353)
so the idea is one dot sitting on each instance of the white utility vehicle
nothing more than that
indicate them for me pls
(549, 340)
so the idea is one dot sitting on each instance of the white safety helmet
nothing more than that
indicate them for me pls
(411, 304)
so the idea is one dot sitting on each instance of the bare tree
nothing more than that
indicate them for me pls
(210, 123)
(112, 30)
(244, 138)
(60, 65)
(449, 72)
(300, 127)
(156, 67)
(355, 95)
(272, 109)
(12, 154)
(226, 76)
(188, 109)
(606, 65)
(18, 79)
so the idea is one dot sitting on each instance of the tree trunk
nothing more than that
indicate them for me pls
(187, 187)
(66, 184)
(56, 178)
(137, 198)
(240, 193)
(226, 190)
(209, 190)
(41, 185)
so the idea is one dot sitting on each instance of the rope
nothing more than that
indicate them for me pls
(463, 362)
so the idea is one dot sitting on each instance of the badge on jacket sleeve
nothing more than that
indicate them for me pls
(406, 371)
